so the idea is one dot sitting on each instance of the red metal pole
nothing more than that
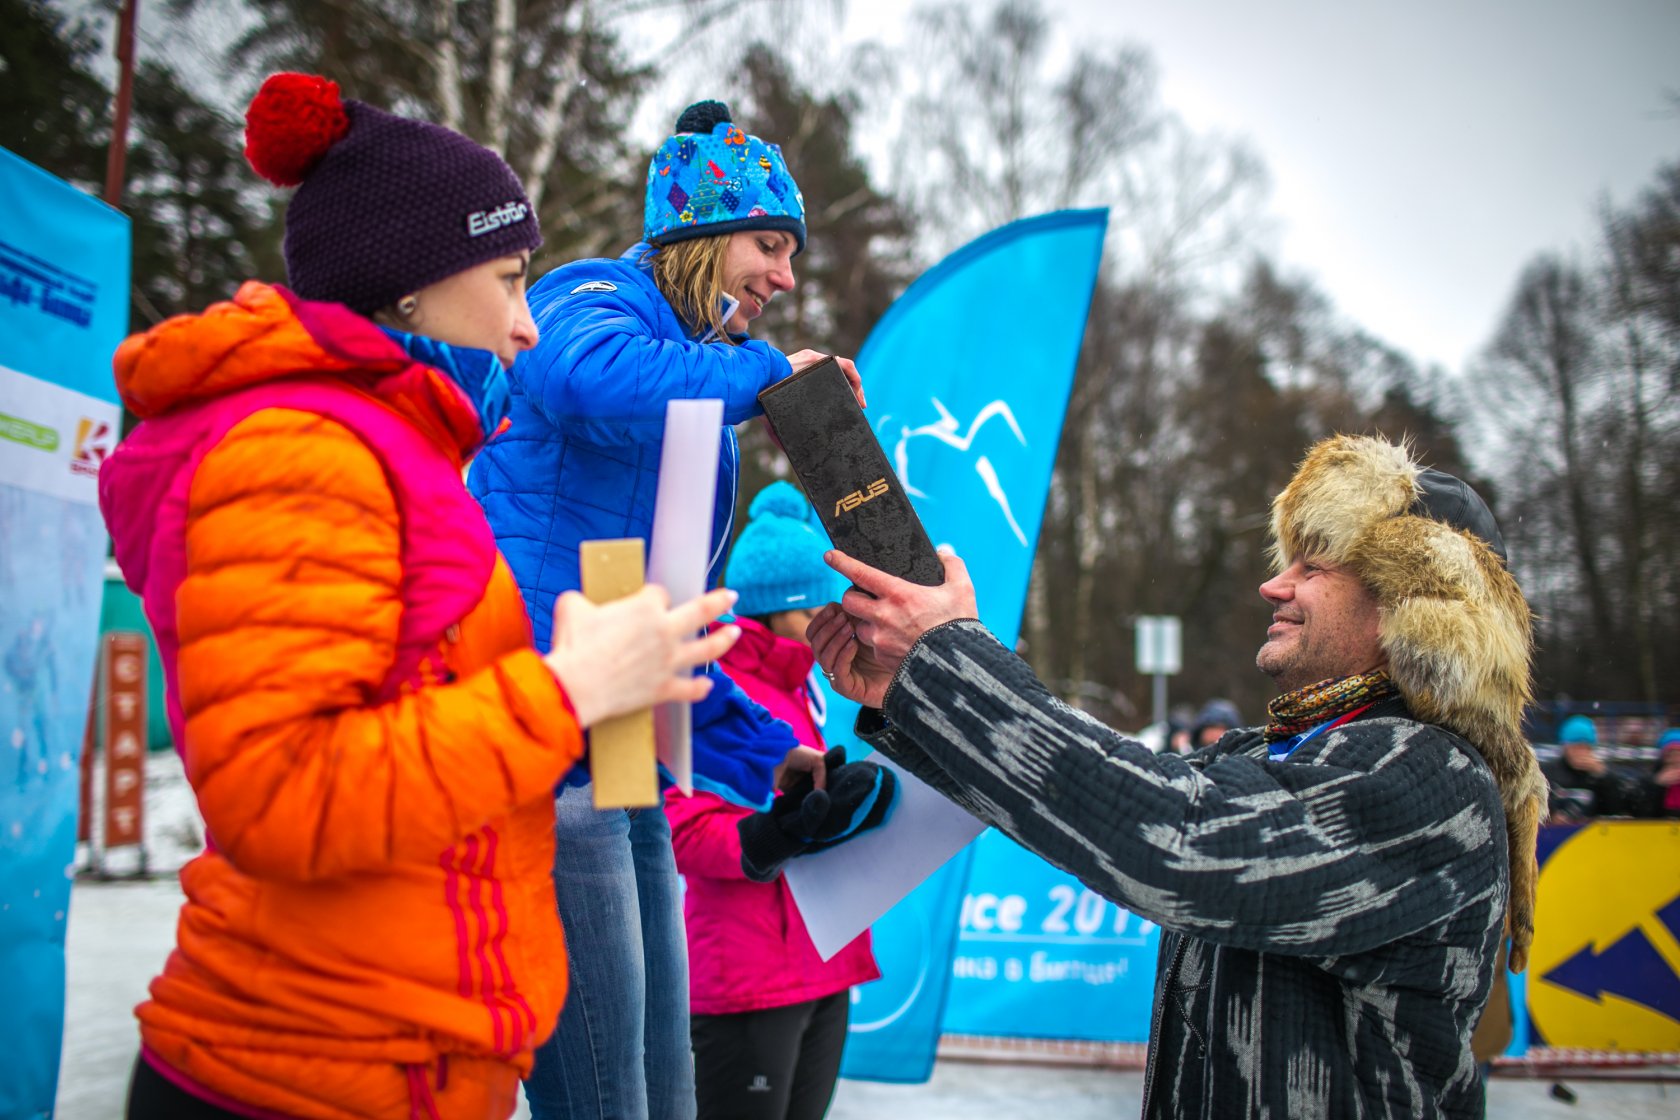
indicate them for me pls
(118, 153)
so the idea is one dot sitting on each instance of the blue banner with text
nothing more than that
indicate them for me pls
(63, 309)
(1040, 955)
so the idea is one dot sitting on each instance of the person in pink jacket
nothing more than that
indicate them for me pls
(768, 1015)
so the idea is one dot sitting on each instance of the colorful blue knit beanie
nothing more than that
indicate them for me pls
(1578, 729)
(777, 564)
(711, 178)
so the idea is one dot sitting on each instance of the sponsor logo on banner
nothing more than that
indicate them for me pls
(38, 436)
(53, 440)
(95, 439)
(945, 430)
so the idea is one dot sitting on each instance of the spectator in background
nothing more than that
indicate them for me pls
(1667, 779)
(768, 1013)
(1215, 718)
(1180, 719)
(1584, 786)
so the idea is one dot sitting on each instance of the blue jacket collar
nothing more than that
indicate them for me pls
(478, 373)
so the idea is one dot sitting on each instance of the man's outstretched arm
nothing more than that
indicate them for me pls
(1369, 844)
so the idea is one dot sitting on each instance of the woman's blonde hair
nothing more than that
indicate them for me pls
(689, 273)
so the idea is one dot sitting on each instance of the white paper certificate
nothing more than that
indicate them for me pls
(682, 545)
(842, 891)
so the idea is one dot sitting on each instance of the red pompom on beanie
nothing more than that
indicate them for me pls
(385, 205)
(291, 123)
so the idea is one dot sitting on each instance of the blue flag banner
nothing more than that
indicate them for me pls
(968, 376)
(63, 309)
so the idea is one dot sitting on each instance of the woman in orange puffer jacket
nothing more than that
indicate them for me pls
(373, 741)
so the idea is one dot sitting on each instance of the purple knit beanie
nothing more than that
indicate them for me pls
(384, 205)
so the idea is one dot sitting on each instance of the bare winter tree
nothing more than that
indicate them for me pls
(1642, 247)
(1581, 379)
(985, 131)
(1543, 367)
(988, 127)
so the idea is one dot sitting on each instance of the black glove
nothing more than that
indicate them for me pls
(806, 819)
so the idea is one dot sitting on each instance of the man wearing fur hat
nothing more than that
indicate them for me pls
(1332, 888)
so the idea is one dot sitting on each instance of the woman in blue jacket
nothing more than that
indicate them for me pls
(722, 222)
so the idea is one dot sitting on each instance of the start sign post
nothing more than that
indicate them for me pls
(122, 740)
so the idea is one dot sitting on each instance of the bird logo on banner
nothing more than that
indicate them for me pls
(945, 430)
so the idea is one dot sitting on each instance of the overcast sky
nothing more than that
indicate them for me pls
(1421, 151)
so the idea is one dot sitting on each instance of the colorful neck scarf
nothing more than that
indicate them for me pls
(478, 373)
(1306, 708)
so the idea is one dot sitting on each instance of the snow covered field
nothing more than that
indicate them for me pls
(120, 932)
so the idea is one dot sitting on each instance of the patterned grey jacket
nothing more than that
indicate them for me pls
(1329, 921)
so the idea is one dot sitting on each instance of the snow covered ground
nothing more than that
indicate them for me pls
(121, 931)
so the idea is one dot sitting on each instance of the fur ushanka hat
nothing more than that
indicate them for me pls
(1454, 624)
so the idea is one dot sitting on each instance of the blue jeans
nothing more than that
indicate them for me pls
(621, 1051)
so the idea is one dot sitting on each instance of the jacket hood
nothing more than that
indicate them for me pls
(265, 333)
(1454, 623)
(776, 661)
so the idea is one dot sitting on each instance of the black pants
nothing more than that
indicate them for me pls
(776, 1064)
(152, 1096)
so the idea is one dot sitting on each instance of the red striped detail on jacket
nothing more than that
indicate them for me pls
(481, 926)
(525, 1019)
(470, 930)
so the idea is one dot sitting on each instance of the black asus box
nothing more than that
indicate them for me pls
(846, 474)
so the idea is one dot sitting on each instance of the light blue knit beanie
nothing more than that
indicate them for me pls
(777, 564)
(1578, 729)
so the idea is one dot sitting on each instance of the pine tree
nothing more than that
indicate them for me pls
(202, 222)
(54, 111)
